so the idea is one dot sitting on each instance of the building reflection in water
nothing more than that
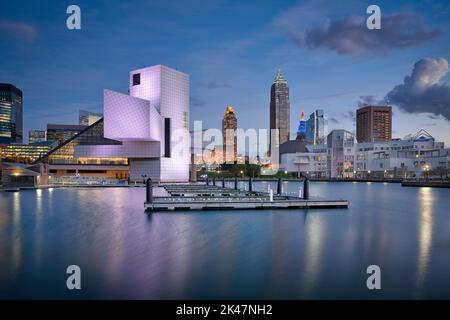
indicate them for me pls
(16, 235)
(38, 231)
(425, 237)
(314, 238)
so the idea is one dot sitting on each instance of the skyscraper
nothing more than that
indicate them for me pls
(374, 124)
(279, 108)
(87, 118)
(315, 127)
(229, 127)
(10, 114)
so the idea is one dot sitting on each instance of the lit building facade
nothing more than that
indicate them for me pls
(374, 124)
(279, 108)
(37, 136)
(26, 153)
(316, 128)
(144, 134)
(341, 154)
(301, 131)
(62, 132)
(229, 135)
(407, 158)
(11, 117)
(414, 156)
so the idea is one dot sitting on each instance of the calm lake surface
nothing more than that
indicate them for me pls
(281, 254)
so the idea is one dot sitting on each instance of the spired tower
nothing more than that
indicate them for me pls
(229, 127)
(279, 108)
(301, 131)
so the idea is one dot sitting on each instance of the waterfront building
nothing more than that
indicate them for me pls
(11, 117)
(374, 124)
(299, 157)
(37, 136)
(411, 157)
(315, 127)
(229, 135)
(144, 134)
(62, 132)
(279, 108)
(87, 118)
(26, 153)
(341, 153)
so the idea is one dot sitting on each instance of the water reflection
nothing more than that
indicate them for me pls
(125, 253)
(314, 238)
(425, 237)
(16, 236)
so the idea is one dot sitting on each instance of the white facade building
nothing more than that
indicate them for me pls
(411, 157)
(145, 132)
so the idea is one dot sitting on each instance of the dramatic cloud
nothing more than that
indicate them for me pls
(351, 36)
(368, 100)
(215, 84)
(19, 30)
(424, 91)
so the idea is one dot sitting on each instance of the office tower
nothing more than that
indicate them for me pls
(374, 124)
(341, 153)
(229, 136)
(315, 128)
(37, 136)
(279, 108)
(87, 118)
(301, 131)
(10, 114)
(62, 132)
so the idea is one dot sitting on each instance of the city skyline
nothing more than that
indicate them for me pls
(335, 79)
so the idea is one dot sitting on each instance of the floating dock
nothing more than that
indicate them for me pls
(204, 197)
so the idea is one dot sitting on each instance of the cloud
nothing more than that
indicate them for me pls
(334, 120)
(351, 36)
(197, 102)
(329, 96)
(350, 115)
(424, 91)
(23, 31)
(215, 84)
(368, 100)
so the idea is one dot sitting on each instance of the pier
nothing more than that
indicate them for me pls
(184, 197)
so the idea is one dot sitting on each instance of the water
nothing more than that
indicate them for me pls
(124, 253)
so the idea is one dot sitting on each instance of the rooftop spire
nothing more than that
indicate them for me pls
(279, 78)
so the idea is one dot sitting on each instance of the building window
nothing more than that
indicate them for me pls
(136, 79)
(167, 137)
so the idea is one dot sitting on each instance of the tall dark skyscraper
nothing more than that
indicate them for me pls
(11, 122)
(374, 124)
(279, 108)
(229, 127)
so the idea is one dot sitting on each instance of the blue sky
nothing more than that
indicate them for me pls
(232, 50)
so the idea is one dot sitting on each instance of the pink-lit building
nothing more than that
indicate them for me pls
(143, 134)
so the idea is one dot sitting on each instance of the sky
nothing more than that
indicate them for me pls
(232, 51)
